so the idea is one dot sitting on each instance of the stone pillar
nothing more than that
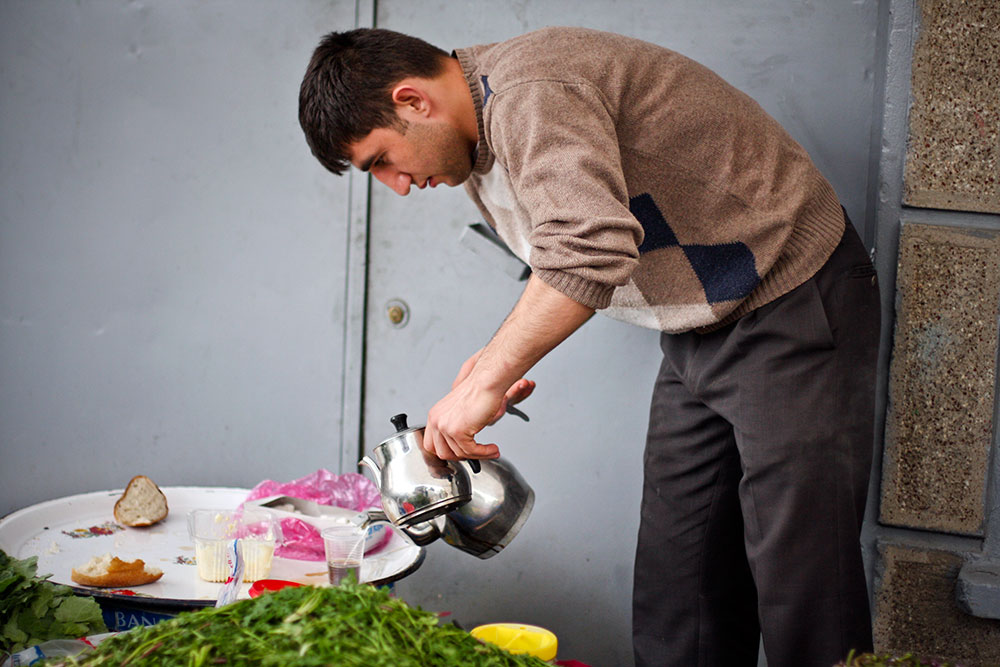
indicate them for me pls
(937, 574)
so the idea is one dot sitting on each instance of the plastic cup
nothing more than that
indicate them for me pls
(256, 532)
(345, 549)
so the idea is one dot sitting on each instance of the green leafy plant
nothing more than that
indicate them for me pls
(34, 610)
(351, 625)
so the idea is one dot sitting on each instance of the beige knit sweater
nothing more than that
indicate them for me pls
(635, 180)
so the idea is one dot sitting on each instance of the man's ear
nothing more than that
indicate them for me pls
(411, 99)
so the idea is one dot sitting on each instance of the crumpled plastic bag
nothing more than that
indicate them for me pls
(301, 541)
(55, 648)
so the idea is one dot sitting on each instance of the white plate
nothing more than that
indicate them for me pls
(67, 532)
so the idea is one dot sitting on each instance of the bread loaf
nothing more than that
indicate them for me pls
(109, 571)
(142, 504)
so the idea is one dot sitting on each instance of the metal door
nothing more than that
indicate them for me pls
(431, 303)
(173, 258)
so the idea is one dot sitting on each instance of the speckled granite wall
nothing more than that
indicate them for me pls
(915, 610)
(953, 153)
(941, 380)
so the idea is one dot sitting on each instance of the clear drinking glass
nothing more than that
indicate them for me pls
(345, 550)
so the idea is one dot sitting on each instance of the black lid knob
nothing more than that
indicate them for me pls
(399, 421)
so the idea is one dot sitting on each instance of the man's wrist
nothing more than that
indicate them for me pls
(488, 380)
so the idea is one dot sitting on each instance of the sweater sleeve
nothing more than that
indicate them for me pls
(557, 141)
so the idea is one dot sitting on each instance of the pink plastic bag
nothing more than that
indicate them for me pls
(301, 541)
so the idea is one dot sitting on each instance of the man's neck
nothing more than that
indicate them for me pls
(460, 100)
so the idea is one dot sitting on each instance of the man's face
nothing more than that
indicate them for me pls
(425, 152)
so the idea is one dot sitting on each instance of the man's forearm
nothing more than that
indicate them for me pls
(542, 318)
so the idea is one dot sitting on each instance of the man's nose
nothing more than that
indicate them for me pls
(398, 181)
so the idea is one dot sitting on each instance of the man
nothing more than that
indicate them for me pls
(636, 182)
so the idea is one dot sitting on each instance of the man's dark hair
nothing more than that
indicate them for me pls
(346, 92)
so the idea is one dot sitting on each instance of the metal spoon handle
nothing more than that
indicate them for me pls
(511, 410)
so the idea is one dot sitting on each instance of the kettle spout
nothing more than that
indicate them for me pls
(425, 532)
(420, 534)
(373, 470)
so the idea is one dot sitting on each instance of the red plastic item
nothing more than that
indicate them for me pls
(265, 585)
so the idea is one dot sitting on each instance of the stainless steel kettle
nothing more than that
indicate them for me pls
(415, 485)
(500, 504)
(476, 506)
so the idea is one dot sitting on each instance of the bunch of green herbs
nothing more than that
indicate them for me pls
(350, 625)
(34, 610)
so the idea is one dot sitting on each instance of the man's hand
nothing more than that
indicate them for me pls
(519, 391)
(452, 424)
(455, 420)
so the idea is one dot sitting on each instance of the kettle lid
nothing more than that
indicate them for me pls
(399, 422)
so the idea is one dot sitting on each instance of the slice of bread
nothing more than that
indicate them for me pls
(142, 504)
(109, 571)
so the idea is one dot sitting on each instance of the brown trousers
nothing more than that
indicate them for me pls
(756, 474)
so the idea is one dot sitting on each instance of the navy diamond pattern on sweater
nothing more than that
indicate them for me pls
(727, 271)
(486, 90)
(657, 233)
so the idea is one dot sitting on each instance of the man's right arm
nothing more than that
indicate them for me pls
(542, 318)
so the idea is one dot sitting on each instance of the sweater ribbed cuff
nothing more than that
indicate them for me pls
(583, 291)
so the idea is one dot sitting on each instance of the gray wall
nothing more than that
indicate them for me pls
(172, 258)
(185, 293)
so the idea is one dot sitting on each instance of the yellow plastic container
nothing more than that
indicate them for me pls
(517, 638)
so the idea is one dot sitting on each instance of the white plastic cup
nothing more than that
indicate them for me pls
(345, 550)
(213, 530)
